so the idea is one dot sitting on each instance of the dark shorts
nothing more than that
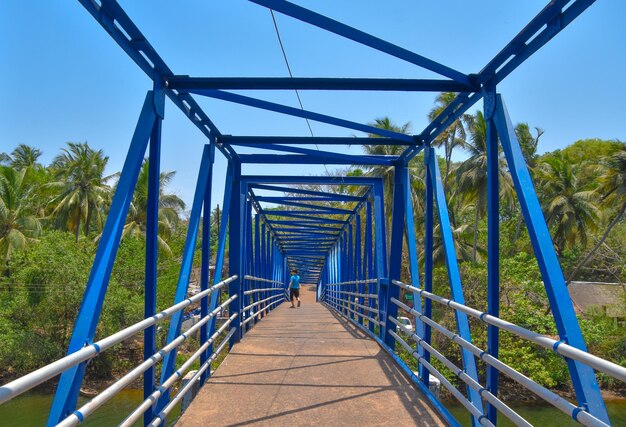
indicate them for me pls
(294, 293)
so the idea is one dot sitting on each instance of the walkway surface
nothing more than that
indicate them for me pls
(305, 366)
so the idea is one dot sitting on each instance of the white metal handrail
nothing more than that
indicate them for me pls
(172, 404)
(554, 399)
(460, 373)
(260, 279)
(254, 291)
(559, 347)
(167, 384)
(87, 409)
(32, 379)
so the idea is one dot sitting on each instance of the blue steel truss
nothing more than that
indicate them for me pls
(337, 241)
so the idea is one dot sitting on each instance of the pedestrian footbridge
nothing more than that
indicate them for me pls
(344, 357)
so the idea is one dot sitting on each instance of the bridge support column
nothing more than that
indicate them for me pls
(152, 235)
(411, 244)
(235, 221)
(428, 262)
(583, 376)
(206, 260)
(493, 246)
(395, 258)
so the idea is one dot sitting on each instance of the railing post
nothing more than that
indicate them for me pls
(206, 259)
(413, 257)
(257, 258)
(85, 327)
(583, 377)
(235, 221)
(380, 254)
(493, 245)
(395, 258)
(359, 267)
(152, 235)
(371, 302)
(351, 275)
(220, 255)
(428, 259)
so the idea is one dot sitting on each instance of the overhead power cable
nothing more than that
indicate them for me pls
(282, 48)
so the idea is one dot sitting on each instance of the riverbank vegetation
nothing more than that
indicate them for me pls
(51, 217)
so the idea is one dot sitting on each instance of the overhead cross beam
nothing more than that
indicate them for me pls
(186, 83)
(305, 114)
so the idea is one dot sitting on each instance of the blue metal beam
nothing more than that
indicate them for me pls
(366, 39)
(292, 190)
(493, 245)
(454, 277)
(322, 180)
(326, 159)
(169, 361)
(125, 33)
(316, 153)
(260, 141)
(583, 377)
(317, 83)
(519, 49)
(152, 236)
(66, 394)
(291, 111)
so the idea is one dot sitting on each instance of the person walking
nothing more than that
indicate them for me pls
(294, 288)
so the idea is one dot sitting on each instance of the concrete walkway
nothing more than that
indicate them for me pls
(305, 366)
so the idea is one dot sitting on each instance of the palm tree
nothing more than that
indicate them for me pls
(452, 137)
(170, 206)
(463, 249)
(471, 175)
(24, 156)
(569, 209)
(82, 186)
(613, 193)
(386, 172)
(17, 226)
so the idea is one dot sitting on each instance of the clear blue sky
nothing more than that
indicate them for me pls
(64, 79)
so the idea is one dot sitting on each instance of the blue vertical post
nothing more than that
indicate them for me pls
(351, 276)
(263, 267)
(583, 377)
(221, 252)
(429, 226)
(454, 277)
(66, 394)
(234, 248)
(206, 260)
(359, 266)
(411, 244)
(493, 246)
(246, 284)
(257, 259)
(152, 236)
(395, 258)
(370, 260)
(380, 254)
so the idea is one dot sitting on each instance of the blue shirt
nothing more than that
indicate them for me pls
(294, 282)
